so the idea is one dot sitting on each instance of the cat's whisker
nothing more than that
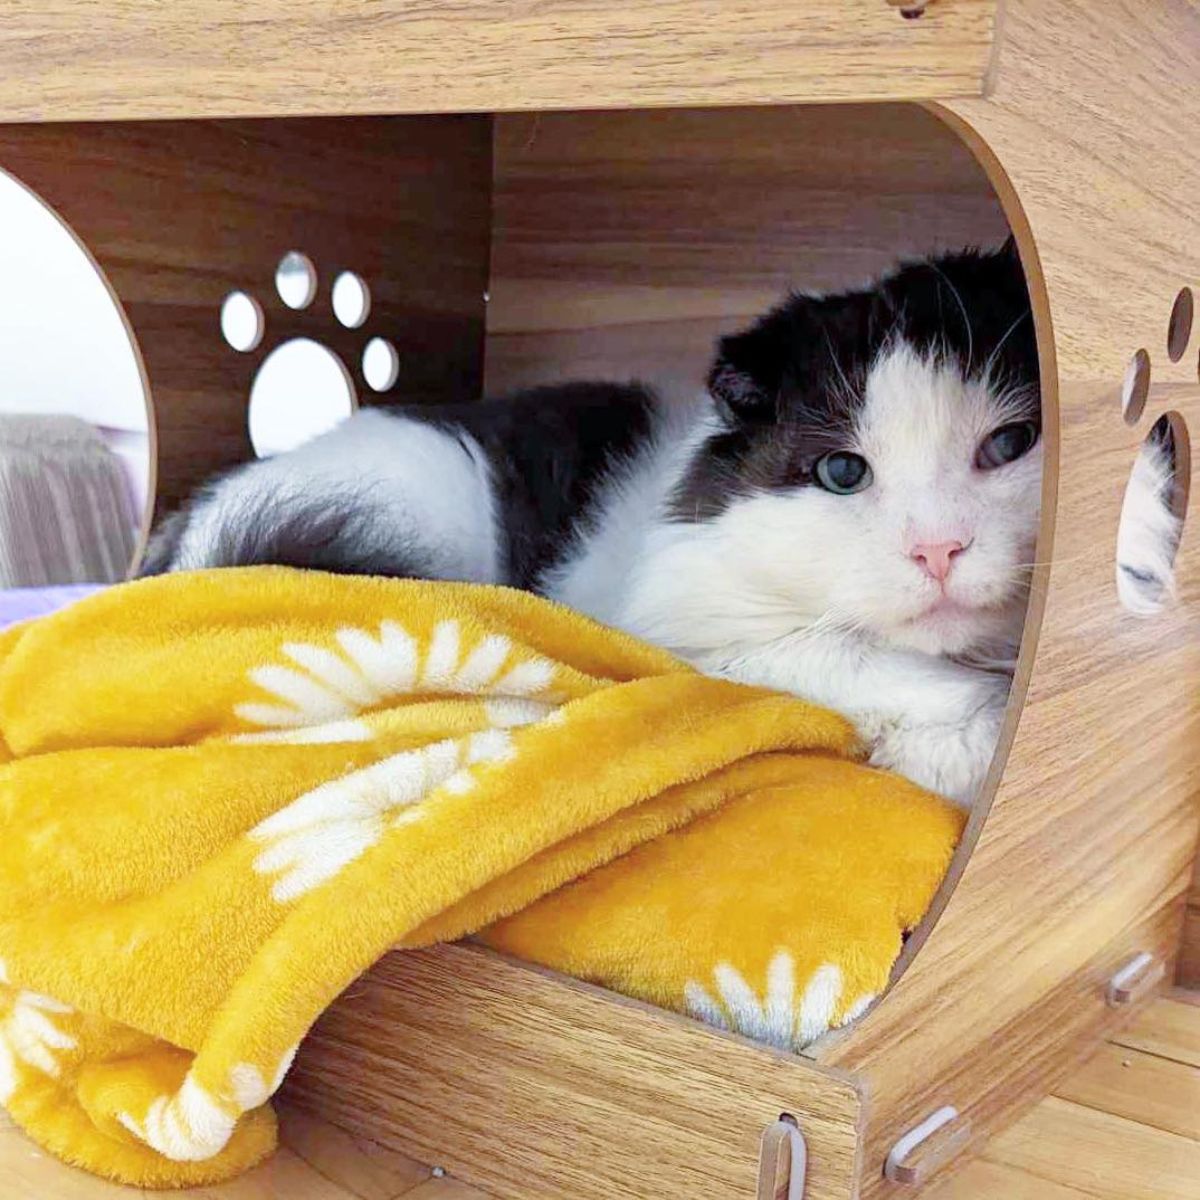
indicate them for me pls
(1052, 562)
(849, 391)
(987, 366)
(965, 316)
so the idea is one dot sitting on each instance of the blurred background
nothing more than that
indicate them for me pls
(74, 426)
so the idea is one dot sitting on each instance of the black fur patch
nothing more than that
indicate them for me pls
(330, 532)
(789, 387)
(550, 449)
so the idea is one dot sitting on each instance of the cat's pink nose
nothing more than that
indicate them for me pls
(936, 558)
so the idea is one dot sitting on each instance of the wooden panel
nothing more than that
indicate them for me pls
(315, 1161)
(178, 214)
(1107, 1157)
(445, 1188)
(625, 242)
(363, 1168)
(992, 1080)
(983, 1180)
(1093, 827)
(1115, 218)
(28, 1173)
(64, 59)
(1169, 1029)
(1140, 1087)
(530, 1085)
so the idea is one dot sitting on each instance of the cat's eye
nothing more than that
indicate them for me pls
(1006, 445)
(843, 473)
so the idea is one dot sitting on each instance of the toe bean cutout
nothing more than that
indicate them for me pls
(1179, 327)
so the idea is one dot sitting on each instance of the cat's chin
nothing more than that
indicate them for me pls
(952, 629)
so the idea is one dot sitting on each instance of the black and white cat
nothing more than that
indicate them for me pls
(849, 513)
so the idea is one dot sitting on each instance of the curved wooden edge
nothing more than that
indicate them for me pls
(147, 515)
(1019, 224)
(1083, 858)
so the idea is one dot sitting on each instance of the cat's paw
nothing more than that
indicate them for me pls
(300, 387)
(951, 758)
(1155, 503)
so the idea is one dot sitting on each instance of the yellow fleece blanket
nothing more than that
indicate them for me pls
(224, 795)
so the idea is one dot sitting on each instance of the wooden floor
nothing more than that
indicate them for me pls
(1126, 1126)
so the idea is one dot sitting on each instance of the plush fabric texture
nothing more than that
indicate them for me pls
(224, 795)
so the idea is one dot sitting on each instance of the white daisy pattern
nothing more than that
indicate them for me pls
(315, 837)
(29, 1035)
(780, 1017)
(192, 1124)
(320, 694)
(320, 697)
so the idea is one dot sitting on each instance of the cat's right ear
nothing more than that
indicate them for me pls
(746, 377)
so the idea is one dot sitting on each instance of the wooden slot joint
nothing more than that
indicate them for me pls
(911, 8)
(1135, 980)
(927, 1147)
(782, 1161)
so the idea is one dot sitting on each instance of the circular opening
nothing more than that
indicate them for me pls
(301, 391)
(1152, 517)
(1179, 327)
(242, 323)
(351, 299)
(380, 364)
(1136, 387)
(76, 426)
(296, 279)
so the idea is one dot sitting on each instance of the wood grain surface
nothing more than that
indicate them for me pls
(1085, 855)
(1052, 1155)
(630, 240)
(624, 243)
(315, 1161)
(73, 59)
(533, 1086)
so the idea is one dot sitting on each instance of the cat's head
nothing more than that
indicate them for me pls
(878, 455)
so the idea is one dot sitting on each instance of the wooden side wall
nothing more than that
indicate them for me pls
(1086, 854)
(178, 214)
(539, 1088)
(624, 243)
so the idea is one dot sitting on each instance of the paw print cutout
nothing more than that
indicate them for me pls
(1156, 496)
(301, 387)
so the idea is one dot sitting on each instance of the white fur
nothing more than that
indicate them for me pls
(797, 589)
(411, 482)
(1148, 534)
(593, 576)
(817, 594)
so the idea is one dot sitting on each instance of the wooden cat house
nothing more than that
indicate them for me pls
(540, 190)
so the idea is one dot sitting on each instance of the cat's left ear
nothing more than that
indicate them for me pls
(748, 373)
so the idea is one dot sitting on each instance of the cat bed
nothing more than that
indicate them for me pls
(226, 794)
